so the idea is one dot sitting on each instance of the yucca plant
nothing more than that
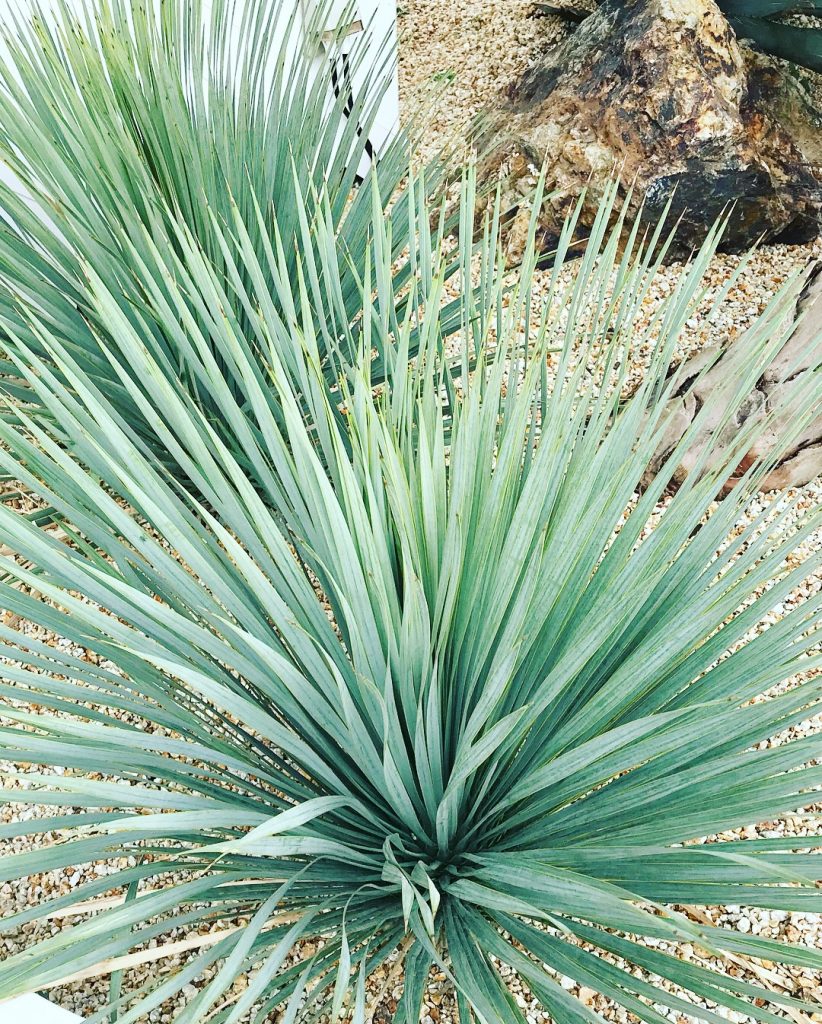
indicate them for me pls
(138, 118)
(429, 690)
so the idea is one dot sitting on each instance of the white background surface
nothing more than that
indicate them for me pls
(34, 1010)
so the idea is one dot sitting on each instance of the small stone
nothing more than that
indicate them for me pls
(587, 995)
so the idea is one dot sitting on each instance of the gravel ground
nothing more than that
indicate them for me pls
(455, 57)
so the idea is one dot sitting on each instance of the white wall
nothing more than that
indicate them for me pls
(380, 20)
(34, 1010)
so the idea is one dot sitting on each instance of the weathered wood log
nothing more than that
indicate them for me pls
(800, 357)
(662, 93)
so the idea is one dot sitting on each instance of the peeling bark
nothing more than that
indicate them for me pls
(789, 372)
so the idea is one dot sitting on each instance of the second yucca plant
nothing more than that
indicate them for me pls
(429, 690)
(125, 124)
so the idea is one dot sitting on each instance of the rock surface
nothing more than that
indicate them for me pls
(788, 375)
(662, 93)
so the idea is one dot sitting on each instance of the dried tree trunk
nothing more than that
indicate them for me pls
(662, 93)
(800, 356)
